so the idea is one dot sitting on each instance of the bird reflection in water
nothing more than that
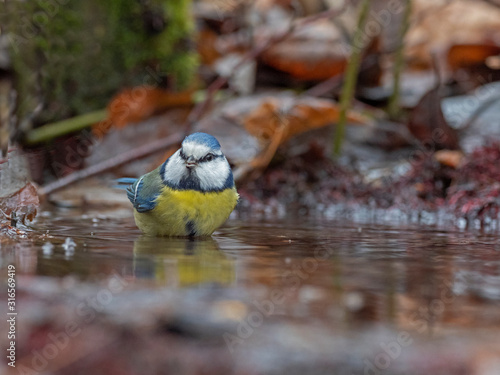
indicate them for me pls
(179, 262)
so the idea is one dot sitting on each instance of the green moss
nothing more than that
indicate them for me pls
(70, 57)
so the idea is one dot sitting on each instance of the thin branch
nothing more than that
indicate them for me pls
(324, 87)
(136, 153)
(351, 76)
(393, 107)
(57, 129)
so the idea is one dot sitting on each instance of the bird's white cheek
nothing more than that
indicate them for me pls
(176, 169)
(213, 175)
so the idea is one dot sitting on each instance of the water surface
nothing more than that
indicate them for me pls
(342, 273)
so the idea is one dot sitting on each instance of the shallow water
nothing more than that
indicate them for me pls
(285, 296)
(340, 273)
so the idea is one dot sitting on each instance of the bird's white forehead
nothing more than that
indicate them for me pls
(198, 150)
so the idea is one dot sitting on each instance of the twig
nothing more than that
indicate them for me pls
(114, 162)
(324, 87)
(351, 77)
(56, 129)
(393, 107)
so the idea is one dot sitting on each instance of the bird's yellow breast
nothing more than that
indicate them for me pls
(187, 212)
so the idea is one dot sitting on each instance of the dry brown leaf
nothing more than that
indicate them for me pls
(23, 203)
(276, 120)
(449, 158)
(475, 61)
(316, 52)
(305, 61)
(462, 56)
(295, 117)
(205, 45)
(137, 104)
(440, 24)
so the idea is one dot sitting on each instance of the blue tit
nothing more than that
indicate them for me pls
(191, 194)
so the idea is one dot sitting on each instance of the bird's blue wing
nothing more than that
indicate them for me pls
(142, 198)
(142, 192)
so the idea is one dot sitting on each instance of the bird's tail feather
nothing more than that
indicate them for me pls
(124, 182)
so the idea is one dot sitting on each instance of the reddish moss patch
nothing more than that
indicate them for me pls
(312, 180)
(476, 189)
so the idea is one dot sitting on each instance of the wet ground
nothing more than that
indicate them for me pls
(282, 296)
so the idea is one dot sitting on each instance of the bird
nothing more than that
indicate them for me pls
(190, 195)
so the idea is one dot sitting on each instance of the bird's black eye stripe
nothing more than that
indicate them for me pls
(209, 157)
(182, 155)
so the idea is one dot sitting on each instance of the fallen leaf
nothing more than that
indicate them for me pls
(305, 60)
(18, 196)
(449, 158)
(139, 103)
(205, 45)
(462, 56)
(277, 120)
(473, 64)
(22, 204)
(439, 25)
(292, 117)
(316, 52)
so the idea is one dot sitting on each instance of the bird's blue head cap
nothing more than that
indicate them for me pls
(204, 139)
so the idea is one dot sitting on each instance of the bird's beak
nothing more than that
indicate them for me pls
(191, 162)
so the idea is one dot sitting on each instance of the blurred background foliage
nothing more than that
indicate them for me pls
(101, 85)
(70, 57)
